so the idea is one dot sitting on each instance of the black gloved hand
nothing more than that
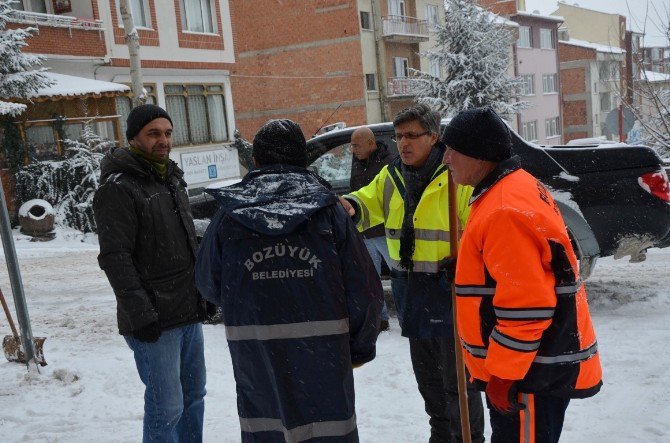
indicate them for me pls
(449, 268)
(149, 333)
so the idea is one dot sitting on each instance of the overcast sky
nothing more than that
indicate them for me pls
(633, 9)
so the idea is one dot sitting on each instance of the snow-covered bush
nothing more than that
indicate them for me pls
(69, 184)
(473, 50)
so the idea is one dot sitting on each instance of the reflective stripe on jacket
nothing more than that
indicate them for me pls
(382, 202)
(522, 311)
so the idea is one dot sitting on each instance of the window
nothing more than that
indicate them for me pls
(605, 102)
(528, 85)
(434, 68)
(335, 166)
(365, 20)
(546, 38)
(400, 67)
(549, 83)
(197, 16)
(124, 104)
(609, 71)
(198, 113)
(551, 127)
(432, 16)
(397, 7)
(525, 40)
(529, 131)
(140, 12)
(370, 82)
(30, 5)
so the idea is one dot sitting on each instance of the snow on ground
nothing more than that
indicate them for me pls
(90, 390)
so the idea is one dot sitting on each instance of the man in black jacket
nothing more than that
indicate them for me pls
(300, 296)
(147, 249)
(370, 156)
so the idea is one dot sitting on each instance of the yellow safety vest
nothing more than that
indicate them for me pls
(381, 201)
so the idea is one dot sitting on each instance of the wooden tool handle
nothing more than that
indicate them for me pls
(7, 313)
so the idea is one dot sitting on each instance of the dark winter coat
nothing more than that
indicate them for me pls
(362, 173)
(301, 303)
(147, 243)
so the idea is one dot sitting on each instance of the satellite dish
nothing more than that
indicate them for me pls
(612, 121)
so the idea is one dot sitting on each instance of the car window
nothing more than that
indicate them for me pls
(335, 166)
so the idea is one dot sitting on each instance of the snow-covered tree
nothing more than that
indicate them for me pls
(473, 51)
(69, 184)
(18, 79)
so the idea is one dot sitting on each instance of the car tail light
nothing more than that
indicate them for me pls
(656, 183)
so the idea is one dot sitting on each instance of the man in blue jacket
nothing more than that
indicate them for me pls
(301, 299)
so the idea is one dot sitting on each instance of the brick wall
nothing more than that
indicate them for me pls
(573, 81)
(574, 113)
(500, 7)
(570, 52)
(298, 59)
(64, 41)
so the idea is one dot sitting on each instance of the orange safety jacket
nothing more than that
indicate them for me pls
(522, 312)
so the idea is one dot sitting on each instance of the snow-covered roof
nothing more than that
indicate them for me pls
(597, 46)
(71, 86)
(554, 18)
(654, 77)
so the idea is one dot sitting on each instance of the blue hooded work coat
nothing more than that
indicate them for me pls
(301, 304)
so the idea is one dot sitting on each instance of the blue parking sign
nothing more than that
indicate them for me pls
(211, 169)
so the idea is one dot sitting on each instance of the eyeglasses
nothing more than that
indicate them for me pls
(408, 135)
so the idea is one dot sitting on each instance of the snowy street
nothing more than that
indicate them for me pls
(90, 390)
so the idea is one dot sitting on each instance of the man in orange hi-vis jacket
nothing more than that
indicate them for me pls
(522, 313)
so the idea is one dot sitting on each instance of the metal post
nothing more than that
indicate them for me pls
(17, 284)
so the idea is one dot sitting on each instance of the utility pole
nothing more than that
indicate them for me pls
(133, 43)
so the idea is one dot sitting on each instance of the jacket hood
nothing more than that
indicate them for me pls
(121, 160)
(274, 199)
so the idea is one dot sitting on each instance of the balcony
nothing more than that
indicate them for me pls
(400, 88)
(55, 21)
(61, 34)
(402, 29)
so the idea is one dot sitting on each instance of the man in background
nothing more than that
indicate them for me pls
(370, 156)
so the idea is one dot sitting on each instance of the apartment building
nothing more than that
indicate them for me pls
(537, 63)
(591, 83)
(327, 62)
(608, 30)
(186, 51)
(656, 58)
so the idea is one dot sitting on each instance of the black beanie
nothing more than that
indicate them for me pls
(479, 133)
(140, 116)
(280, 141)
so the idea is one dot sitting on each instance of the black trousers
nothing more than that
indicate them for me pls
(541, 420)
(434, 364)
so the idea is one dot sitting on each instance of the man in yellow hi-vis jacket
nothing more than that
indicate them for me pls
(409, 197)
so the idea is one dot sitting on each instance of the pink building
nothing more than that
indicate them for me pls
(538, 64)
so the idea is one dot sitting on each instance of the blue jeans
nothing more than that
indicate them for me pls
(378, 250)
(173, 372)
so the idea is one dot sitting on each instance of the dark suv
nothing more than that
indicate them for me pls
(615, 199)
